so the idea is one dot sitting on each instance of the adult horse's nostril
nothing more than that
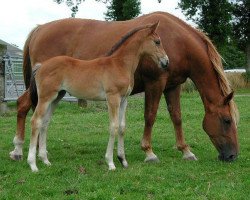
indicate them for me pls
(229, 158)
(232, 157)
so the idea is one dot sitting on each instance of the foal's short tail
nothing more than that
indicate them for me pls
(32, 87)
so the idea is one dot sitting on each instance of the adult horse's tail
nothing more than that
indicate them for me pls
(27, 68)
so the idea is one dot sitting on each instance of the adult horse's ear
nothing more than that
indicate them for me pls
(154, 26)
(228, 98)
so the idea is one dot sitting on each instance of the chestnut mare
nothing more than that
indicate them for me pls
(190, 52)
(108, 78)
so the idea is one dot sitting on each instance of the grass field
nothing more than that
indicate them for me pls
(77, 142)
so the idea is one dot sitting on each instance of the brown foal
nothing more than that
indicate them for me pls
(109, 78)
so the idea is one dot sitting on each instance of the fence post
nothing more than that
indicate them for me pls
(3, 104)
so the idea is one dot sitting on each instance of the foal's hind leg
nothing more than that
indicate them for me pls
(37, 122)
(43, 134)
(121, 133)
(23, 107)
(173, 102)
(43, 138)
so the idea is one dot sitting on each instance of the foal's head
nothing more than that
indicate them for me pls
(152, 46)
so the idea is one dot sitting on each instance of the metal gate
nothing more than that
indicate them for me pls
(14, 85)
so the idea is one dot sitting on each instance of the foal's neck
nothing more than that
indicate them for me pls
(129, 54)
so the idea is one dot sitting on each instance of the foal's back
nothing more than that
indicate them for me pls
(90, 79)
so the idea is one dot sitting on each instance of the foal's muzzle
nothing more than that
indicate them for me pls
(164, 62)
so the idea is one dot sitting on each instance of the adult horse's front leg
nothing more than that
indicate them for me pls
(153, 92)
(172, 97)
(23, 107)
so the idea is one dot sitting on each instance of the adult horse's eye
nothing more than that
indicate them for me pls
(157, 42)
(227, 121)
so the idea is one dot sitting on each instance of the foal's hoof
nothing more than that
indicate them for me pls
(189, 156)
(15, 157)
(112, 167)
(47, 163)
(34, 169)
(123, 162)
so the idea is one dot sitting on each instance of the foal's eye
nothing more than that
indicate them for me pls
(157, 42)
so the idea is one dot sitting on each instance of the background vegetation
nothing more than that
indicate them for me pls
(77, 142)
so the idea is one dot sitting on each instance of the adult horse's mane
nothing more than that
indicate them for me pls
(216, 61)
(125, 38)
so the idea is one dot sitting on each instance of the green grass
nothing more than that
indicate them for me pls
(77, 142)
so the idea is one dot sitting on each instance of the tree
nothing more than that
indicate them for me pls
(241, 26)
(73, 4)
(123, 10)
(225, 21)
(211, 16)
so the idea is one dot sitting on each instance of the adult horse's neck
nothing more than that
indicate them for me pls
(207, 85)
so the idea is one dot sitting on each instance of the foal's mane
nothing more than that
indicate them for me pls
(124, 38)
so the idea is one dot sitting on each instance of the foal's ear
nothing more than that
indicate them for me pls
(228, 98)
(154, 26)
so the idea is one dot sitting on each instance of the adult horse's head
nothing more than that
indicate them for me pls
(152, 46)
(220, 124)
(221, 114)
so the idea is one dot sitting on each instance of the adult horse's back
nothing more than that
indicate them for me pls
(190, 52)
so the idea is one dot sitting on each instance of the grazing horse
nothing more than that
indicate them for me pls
(108, 78)
(191, 55)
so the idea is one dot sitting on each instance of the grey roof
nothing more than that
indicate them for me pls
(12, 50)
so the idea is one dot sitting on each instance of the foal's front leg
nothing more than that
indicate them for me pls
(121, 133)
(113, 108)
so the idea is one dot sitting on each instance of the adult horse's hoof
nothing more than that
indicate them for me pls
(152, 159)
(15, 157)
(189, 156)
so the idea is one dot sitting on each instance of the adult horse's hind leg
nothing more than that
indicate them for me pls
(121, 133)
(23, 107)
(172, 97)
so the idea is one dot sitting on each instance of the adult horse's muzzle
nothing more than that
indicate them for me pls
(164, 62)
(228, 154)
(227, 157)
